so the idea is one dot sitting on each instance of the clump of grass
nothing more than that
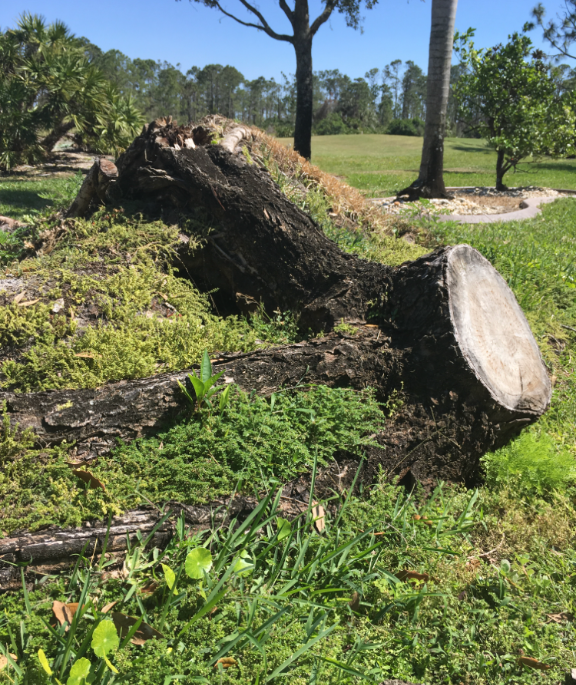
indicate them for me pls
(475, 610)
(533, 463)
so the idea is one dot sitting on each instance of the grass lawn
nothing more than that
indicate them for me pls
(380, 165)
(21, 195)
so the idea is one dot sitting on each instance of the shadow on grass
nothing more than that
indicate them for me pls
(470, 148)
(555, 166)
(22, 199)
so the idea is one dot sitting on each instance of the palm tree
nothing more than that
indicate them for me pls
(48, 87)
(430, 182)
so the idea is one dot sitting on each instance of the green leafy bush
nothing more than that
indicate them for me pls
(532, 462)
(406, 127)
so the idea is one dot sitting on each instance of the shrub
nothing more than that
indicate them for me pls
(406, 127)
(332, 125)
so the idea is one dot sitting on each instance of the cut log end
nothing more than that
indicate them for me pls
(494, 335)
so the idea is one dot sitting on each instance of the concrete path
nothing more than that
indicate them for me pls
(530, 209)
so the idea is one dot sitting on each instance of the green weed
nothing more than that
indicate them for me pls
(532, 463)
(277, 599)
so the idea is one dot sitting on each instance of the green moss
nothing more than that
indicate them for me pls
(194, 462)
(148, 318)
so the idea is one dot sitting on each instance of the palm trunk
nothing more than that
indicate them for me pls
(304, 97)
(55, 134)
(430, 183)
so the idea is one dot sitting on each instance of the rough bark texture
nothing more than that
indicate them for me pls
(95, 186)
(263, 247)
(430, 183)
(304, 97)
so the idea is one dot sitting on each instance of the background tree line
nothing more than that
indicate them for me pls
(392, 99)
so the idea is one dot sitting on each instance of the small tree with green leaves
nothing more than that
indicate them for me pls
(509, 96)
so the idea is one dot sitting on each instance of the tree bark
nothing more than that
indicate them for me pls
(448, 321)
(304, 96)
(54, 136)
(430, 182)
(95, 186)
(501, 169)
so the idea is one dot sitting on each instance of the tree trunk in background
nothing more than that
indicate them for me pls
(500, 171)
(54, 136)
(304, 97)
(430, 183)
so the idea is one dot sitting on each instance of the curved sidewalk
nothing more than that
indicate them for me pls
(529, 209)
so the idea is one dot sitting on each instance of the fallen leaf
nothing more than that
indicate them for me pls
(473, 564)
(106, 608)
(89, 479)
(462, 595)
(4, 660)
(417, 517)
(226, 662)
(144, 633)
(561, 617)
(533, 663)
(412, 575)
(19, 297)
(318, 514)
(29, 302)
(81, 462)
(63, 612)
(28, 245)
(354, 603)
(149, 587)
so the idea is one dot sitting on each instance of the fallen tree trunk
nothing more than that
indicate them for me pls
(449, 343)
(451, 334)
(457, 344)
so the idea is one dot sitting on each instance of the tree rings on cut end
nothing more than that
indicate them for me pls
(493, 333)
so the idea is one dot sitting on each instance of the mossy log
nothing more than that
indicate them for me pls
(447, 342)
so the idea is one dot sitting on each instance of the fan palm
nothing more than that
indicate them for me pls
(49, 87)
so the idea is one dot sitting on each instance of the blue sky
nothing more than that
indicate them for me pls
(190, 34)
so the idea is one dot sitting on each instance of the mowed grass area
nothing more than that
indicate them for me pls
(22, 195)
(380, 165)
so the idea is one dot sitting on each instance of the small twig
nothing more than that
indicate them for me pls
(486, 554)
(568, 328)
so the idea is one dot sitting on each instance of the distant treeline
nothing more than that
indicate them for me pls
(392, 99)
(388, 100)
